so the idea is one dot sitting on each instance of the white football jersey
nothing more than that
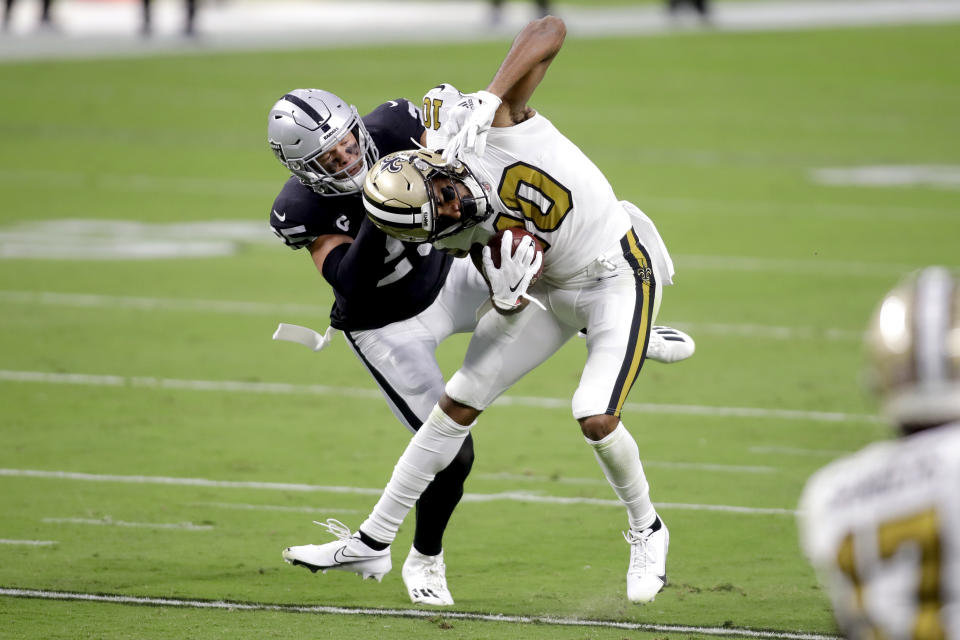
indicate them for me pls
(882, 528)
(538, 180)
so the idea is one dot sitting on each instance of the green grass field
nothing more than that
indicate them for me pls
(118, 368)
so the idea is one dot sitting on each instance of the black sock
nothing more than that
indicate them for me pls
(370, 542)
(438, 501)
(656, 525)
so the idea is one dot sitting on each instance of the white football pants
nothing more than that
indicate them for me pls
(401, 356)
(616, 299)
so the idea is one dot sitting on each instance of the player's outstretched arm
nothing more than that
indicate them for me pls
(526, 63)
(504, 102)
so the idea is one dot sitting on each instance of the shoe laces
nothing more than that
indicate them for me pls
(641, 555)
(434, 572)
(656, 344)
(336, 528)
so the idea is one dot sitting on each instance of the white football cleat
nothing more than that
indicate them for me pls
(647, 573)
(426, 579)
(348, 553)
(669, 345)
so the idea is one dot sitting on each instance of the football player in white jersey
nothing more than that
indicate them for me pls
(393, 302)
(597, 274)
(882, 526)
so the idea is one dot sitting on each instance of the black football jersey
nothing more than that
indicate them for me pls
(410, 276)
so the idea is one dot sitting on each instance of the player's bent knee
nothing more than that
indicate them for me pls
(471, 389)
(457, 411)
(599, 426)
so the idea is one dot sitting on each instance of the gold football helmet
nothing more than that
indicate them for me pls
(914, 346)
(400, 197)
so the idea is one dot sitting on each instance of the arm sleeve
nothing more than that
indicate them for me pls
(356, 266)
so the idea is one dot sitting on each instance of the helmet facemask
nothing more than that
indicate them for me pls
(474, 208)
(321, 180)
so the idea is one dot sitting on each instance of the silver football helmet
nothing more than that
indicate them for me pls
(306, 123)
(914, 347)
(401, 198)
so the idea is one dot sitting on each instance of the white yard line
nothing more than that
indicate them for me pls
(138, 183)
(315, 389)
(812, 266)
(941, 176)
(692, 409)
(657, 205)
(192, 385)
(683, 506)
(658, 464)
(85, 300)
(506, 496)
(754, 331)
(188, 482)
(110, 522)
(86, 239)
(277, 310)
(31, 543)
(799, 451)
(730, 632)
(270, 507)
(524, 496)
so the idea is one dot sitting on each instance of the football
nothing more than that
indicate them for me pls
(518, 234)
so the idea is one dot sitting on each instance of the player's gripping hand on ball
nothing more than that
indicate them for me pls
(511, 271)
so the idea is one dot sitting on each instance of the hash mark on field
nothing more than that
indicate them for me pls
(110, 522)
(511, 496)
(32, 543)
(316, 389)
(730, 632)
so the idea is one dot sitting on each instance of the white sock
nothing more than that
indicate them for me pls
(619, 457)
(431, 449)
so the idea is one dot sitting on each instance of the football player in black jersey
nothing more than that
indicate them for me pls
(601, 276)
(394, 301)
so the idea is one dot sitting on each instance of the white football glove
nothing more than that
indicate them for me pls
(472, 136)
(508, 284)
